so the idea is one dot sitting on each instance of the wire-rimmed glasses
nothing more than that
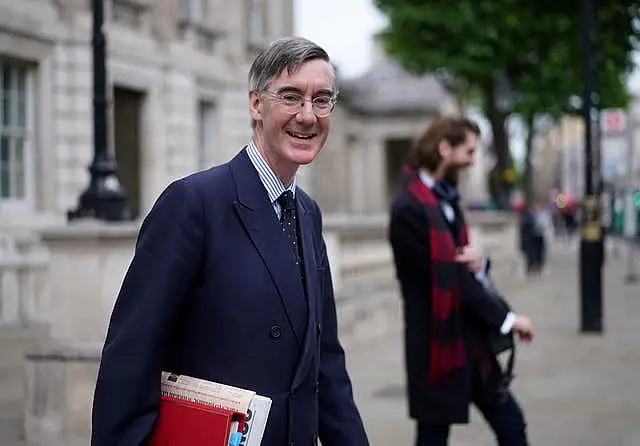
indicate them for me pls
(322, 105)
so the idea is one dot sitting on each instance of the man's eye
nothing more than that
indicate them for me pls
(322, 100)
(291, 98)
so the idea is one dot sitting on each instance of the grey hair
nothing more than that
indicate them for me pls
(285, 53)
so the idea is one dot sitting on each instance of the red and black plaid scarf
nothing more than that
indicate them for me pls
(446, 351)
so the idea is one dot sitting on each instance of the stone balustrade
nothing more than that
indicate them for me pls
(59, 383)
(24, 266)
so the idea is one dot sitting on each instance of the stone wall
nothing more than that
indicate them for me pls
(60, 380)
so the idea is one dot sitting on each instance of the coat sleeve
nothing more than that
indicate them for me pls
(479, 304)
(408, 234)
(409, 238)
(339, 420)
(165, 265)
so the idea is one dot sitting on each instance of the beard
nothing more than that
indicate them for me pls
(452, 175)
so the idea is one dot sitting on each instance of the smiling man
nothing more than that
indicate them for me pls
(230, 280)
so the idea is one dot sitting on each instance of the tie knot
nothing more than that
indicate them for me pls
(287, 200)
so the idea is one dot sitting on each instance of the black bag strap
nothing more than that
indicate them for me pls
(508, 374)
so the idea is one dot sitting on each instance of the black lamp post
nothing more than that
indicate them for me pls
(591, 241)
(104, 198)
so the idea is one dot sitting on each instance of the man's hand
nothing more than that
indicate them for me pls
(471, 257)
(523, 328)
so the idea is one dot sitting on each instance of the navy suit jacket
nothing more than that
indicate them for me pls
(213, 292)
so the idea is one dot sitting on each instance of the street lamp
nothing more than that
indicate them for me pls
(591, 238)
(104, 198)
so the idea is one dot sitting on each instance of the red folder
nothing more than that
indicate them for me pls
(187, 423)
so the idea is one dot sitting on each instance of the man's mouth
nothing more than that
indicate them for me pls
(301, 135)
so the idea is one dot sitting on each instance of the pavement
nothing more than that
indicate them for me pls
(576, 389)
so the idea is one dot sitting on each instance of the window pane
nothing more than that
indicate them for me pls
(4, 181)
(6, 77)
(4, 149)
(18, 150)
(13, 122)
(202, 124)
(6, 108)
(18, 175)
(21, 84)
(255, 21)
(22, 114)
(264, 17)
(7, 86)
(185, 9)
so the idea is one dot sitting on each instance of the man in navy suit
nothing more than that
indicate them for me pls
(230, 280)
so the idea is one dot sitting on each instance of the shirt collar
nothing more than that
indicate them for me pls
(426, 178)
(269, 179)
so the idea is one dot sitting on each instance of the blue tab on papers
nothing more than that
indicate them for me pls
(235, 438)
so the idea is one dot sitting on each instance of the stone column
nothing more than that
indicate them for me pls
(153, 166)
(375, 179)
(357, 175)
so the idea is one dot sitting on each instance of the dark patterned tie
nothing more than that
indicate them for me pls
(288, 221)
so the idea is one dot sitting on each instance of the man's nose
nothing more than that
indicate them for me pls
(306, 113)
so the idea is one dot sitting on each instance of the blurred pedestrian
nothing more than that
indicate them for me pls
(533, 228)
(449, 317)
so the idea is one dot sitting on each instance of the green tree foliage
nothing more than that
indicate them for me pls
(536, 45)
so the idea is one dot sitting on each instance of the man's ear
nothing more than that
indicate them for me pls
(444, 149)
(255, 106)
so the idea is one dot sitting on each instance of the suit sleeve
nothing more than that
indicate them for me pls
(165, 265)
(339, 420)
(408, 234)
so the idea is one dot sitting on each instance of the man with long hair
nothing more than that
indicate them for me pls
(449, 316)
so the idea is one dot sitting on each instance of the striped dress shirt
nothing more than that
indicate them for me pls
(269, 179)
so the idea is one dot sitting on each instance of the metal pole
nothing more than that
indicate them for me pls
(104, 199)
(591, 247)
(100, 102)
(631, 275)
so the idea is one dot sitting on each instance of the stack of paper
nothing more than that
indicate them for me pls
(196, 411)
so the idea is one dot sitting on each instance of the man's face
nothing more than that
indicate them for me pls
(459, 157)
(289, 134)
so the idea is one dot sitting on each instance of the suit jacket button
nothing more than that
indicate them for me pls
(276, 332)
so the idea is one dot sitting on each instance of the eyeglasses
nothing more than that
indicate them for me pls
(322, 105)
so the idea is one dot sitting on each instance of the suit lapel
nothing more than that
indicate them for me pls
(311, 275)
(261, 223)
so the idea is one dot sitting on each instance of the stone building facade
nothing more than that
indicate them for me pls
(559, 160)
(179, 103)
(177, 71)
(378, 117)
